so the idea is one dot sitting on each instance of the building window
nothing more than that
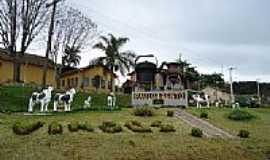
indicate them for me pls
(69, 82)
(96, 82)
(103, 84)
(63, 83)
(86, 82)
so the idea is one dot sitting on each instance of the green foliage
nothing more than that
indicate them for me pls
(55, 128)
(240, 115)
(204, 115)
(110, 127)
(24, 128)
(170, 113)
(73, 127)
(14, 99)
(243, 134)
(144, 112)
(196, 132)
(156, 124)
(167, 128)
(136, 126)
(86, 127)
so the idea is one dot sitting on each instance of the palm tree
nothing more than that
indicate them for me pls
(71, 57)
(114, 59)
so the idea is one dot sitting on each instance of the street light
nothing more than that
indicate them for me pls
(258, 90)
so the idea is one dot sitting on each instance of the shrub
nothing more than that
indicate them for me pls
(167, 128)
(170, 113)
(136, 126)
(110, 127)
(73, 127)
(156, 124)
(240, 115)
(144, 112)
(24, 128)
(204, 115)
(196, 132)
(86, 127)
(55, 128)
(243, 134)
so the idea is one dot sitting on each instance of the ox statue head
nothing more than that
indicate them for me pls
(72, 91)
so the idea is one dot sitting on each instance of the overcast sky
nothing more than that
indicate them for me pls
(209, 33)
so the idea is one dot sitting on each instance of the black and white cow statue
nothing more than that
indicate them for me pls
(66, 99)
(43, 98)
(111, 101)
(87, 102)
(201, 99)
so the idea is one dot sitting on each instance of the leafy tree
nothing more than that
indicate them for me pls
(114, 59)
(71, 57)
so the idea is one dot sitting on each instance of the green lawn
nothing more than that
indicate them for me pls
(259, 128)
(120, 146)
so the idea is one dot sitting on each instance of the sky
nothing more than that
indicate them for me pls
(213, 35)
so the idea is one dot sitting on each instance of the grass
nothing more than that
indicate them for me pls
(15, 99)
(259, 128)
(125, 145)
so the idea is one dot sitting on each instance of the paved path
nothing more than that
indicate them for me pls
(208, 129)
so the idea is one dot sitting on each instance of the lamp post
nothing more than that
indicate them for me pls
(258, 90)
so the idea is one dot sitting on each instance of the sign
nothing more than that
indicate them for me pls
(163, 98)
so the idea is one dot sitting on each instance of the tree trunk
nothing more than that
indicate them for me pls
(49, 44)
(16, 70)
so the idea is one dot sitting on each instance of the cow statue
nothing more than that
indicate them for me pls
(43, 98)
(88, 102)
(111, 101)
(200, 100)
(66, 99)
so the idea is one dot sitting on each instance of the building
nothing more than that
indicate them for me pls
(88, 79)
(216, 94)
(31, 69)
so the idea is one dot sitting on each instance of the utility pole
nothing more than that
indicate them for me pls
(49, 42)
(258, 90)
(231, 84)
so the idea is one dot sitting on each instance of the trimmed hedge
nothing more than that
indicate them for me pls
(136, 126)
(196, 132)
(24, 128)
(73, 127)
(86, 127)
(204, 115)
(243, 134)
(110, 127)
(170, 113)
(240, 115)
(156, 124)
(55, 128)
(167, 128)
(144, 112)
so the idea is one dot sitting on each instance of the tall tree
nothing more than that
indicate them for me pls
(114, 58)
(73, 31)
(21, 21)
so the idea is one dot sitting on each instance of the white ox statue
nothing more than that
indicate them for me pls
(66, 99)
(199, 100)
(88, 102)
(111, 101)
(43, 98)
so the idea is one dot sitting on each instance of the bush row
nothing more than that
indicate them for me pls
(24, 128)
(110, 127)
(240, 115)
(136, 126)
